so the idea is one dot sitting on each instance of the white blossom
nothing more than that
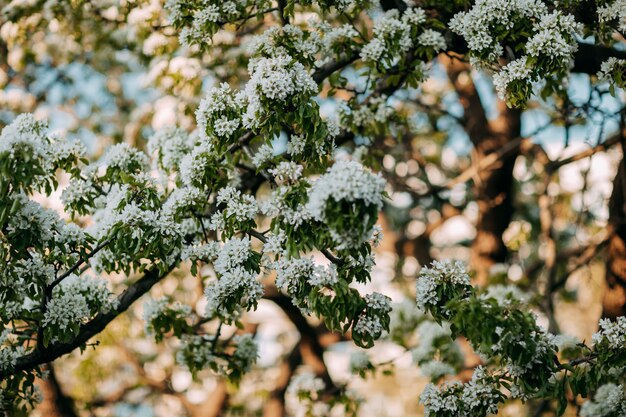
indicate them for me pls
(359, 361)
(608, 67)
(290, 270)
(246, 352)
(609, 401)
(65, 311)
(296, 144)
(349, 181)
(323, 276)
(25, 131)
(182, 198)
(378, 302)
(434, 401)
(219, 113)
(614, 332)
(286, 172)
(514, 70)
(615, 10)
(373, 50)
(369, 326)
(31, 217)
(9, 356)
(480, 394)
(274, 80)
(170, 144)
(262, 155)
(235, 290)
(307, 384)
(238, 206)
(194, 165)
(505, 294)
(430, 278)
(274, 242)
(436, 369)
(433, 39)
(233, 254)
(152, 309)
(124, 158)
(205, 252)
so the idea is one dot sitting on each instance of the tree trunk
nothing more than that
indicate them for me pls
(493, 186)
(614, 299)
(55, 402)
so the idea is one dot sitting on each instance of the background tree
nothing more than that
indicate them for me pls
(221, 166)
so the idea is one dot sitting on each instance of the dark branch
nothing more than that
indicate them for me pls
(90, 329)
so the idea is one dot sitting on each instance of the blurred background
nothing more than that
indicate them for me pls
(523, 196)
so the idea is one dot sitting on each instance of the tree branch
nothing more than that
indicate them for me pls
(91, 328)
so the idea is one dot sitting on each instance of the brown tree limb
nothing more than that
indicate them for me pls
(614, 298)
(91, 328)
(56, 403)
(275, 405)
(493, 184)
(311, 349)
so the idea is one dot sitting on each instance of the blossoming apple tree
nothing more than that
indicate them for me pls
(258, 190)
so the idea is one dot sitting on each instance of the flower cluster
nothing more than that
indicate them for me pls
(612, 333)
(231, 359)
(544, 42)
(161, 316)
(236, 289)
(306, 385)
(200, 20)
(286, 40)
(515, 72)
(170, 145)
(135, 223)
(8, 352)
(31, 222)
(478, 397)
(613, 71)
(505, 294)
(206, 252)
(276, 81)
(198, 168)
(442, 282)
(286, 172)
(263, 155)
(436, 344)
(337, 38)
(122, 158)
(347, 187)
(368, 328)
(246, 352)
(219, 116)
(29, 156)
(287, 204)
(238, 213)
(73, 302)
(395, 35)
(181, 202)
(609, 401)
(614, 11)
(368, 117)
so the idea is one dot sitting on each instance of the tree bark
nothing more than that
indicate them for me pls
(493, 187)
(55, 402)
(614, 298)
